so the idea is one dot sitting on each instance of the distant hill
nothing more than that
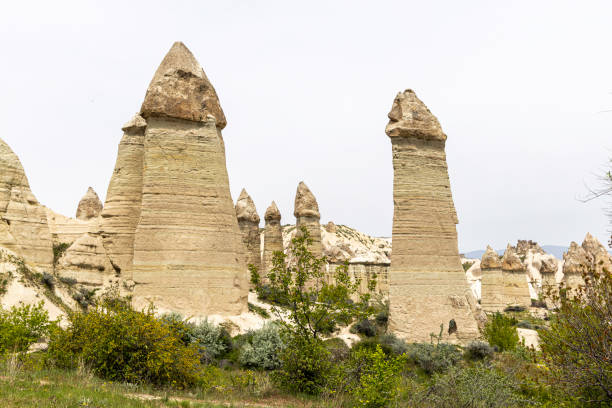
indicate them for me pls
(556, 250)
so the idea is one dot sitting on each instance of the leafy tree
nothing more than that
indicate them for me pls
(500, 332)
(22, 326)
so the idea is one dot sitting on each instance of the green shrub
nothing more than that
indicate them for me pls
(122, 344)
(262, 351)
(433, 358)
(365, 327)
(395, 345)
(58, 251)
(258, 310)
(377, 377)
(213, 341)
(471, 387)
(305, 366)
(176, 323)
(22, 326)
(478, 350)
(338, 349)
(500, 332)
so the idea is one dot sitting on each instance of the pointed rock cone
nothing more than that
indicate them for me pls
(599, 258)
(23, 221)
(306, 212)
(273, 238)
(575, 265)
(516, 288)
(248, 221)
(90, 206)
(427, 284)
(188, 250)
(492, 282)
(121, 211)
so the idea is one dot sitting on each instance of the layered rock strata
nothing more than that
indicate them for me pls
(65, 230)
(575, 265)
(306, 212)
(121, 211)
(188, 251)
(492, 282)
(248, 222)
(428, 287)
(516, 288)
(90, 206)
(273, 238)
(23, 220)
(598, 257)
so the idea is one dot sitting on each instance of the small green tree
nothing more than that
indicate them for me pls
(500, 332)
(21, 326)
(313, 301)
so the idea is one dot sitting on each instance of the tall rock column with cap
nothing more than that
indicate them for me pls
(121, 211)
(188, 251)
(306, 212)
(90, 206)
(248, 221)
(427, 284)
(492, 282)
(23, 220)
(273, 238)
(516, 288)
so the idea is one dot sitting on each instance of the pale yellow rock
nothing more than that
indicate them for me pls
(121, 211)
(598, 256)
(427, 284)
(65, 229)
(516, 288)
(492, 282)
(86, 261)
(576, 263)
(188, 251)
(90, 206)
(306, 212)
(248, 221)
(23, 221)
(273, 238)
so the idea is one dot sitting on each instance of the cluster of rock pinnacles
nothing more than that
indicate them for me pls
(170, 232)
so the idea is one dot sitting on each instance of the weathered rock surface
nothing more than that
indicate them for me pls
(90, 206)
(248, 221)
(523, 246)
(188, 251)
(427, 282)
(598, 256)
(492, 282)
(23, 221)
(516, 288)
(306, 212)
(65, 229)
(576, 263)
(273, 237)
(121, 211)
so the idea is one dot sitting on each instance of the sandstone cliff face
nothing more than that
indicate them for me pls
(121, 211)
(90, 206)
(427, 282)
(492, 282)
(65, 229)
(576, 263)
(188, 251)
(599, 258)
(307, 215)
(248, 221)
(516, 288)
(273, 238)
(23, 221)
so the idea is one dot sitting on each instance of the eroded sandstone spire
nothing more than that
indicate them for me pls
(23, 221)
(188, 250)
(492, 282)
(273, 237)
(248, 221)
(306, 212)
(516, 288)
(427, 283)
(180, 89)
(90, 206)
(121, 211)
(598, 256)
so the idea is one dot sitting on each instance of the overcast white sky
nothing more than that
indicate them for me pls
(519, 87)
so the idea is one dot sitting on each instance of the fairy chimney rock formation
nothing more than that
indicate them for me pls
(492, 282)
(427, 284)
(188, 250)
(248, 221)
(124, 197)
(23, 220)
(306, 212)
(516, 288)
(273, 237)
(598, 256)
(90, 206)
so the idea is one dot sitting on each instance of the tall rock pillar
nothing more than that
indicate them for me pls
(306, 212)
(248, 221)
(516, 288)
(427, 284)
(89, 207)
(188, 251)
(492, 282)
(273, 237)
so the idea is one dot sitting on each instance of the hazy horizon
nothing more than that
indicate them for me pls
(520, 89)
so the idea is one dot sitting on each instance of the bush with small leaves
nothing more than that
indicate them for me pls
(213, 341)
(500, 332)
(478, 350)
(48, 280)
(433, 358)
(263, 349)
(338, 349)
(21, 326)
(365, 327)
